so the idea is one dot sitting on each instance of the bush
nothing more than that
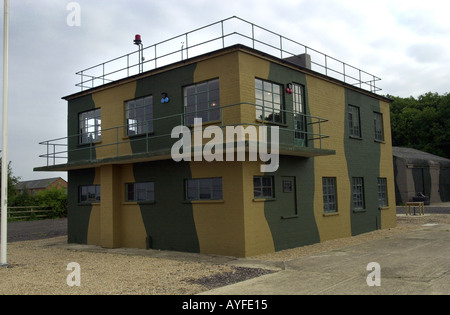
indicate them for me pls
(55, 199)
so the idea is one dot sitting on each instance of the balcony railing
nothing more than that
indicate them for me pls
(115, 144)
(224, 33)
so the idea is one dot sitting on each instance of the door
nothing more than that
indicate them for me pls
(288, 196)
(299, 115)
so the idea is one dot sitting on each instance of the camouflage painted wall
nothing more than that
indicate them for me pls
(238, 225)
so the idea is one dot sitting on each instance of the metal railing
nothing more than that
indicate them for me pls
(218, 35)
(113, 139)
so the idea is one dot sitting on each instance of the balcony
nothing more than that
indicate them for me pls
(298, 135)
(222, 34)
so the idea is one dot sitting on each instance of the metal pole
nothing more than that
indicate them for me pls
(4, 181)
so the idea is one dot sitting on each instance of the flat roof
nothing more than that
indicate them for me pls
(215, 37)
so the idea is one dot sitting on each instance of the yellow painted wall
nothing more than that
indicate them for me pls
(237, 226)
(388, 214)
(327, 100)
(94, 228)
(258, 237)
(250, 67)
(220, 224)
(225, 66)
(115, 222)
(112, 101)
(133, 233)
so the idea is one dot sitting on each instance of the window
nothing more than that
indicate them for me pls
(378, 125)
(299, 111)
(202, 101)
(382, 192)
(287, 186)
(139, 115)
(329, 194)
(141, 191)
(354, 121)
(268, 99)
(204, 189)
(89, 194)
(90, 126)
(358, 193)
(263, 187)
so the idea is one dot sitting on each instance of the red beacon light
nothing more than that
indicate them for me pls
(137, 39)
(289, 89)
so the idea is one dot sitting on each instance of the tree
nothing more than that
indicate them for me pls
(422, 123)
(12, 182)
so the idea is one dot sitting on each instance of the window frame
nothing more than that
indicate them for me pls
(267, 97)
(327, 184)
(210, 99)
(143, 124)
(214, 195)
(85, 128)
(299, 109)
(262, 186)
(383, 200)
(378, 126)
(136, 192)
(354, 123)
(97, 194)
(358, 194)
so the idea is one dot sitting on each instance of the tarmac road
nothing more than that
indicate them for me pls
(35, 230)
(413, 263)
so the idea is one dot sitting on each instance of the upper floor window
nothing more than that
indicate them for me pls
(268, 101)
(378, 125)
(299, 111)
(90, 124)
(202, 100)
(139, 115)
(354, 121)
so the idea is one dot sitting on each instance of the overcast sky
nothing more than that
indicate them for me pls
(404, 42)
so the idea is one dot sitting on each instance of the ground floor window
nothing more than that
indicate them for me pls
(329, 194)
(141, 191)
(382, 192)
(89, 194)
(204, 189)
(263, 187)
(358, 193)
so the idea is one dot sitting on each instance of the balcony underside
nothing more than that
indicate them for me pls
(165, 154)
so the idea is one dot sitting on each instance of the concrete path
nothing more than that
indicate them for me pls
(417, 262)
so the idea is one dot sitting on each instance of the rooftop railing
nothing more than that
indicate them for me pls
(114, 142)
(218, 35)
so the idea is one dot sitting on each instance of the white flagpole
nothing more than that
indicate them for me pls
(4, 180)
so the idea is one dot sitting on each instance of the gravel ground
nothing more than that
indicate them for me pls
(40, 266)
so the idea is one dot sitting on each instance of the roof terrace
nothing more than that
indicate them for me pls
(218, 35)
